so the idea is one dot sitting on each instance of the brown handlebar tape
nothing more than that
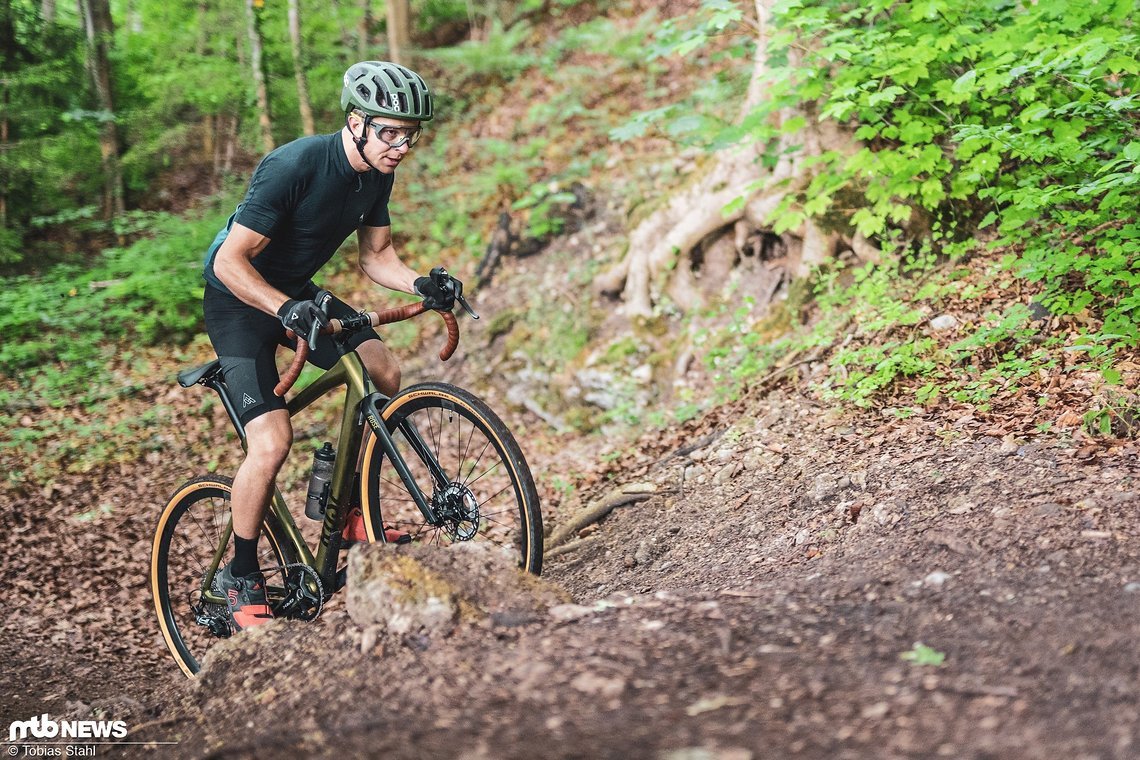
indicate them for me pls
(386, 317)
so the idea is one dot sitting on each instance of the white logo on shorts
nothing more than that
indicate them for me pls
(247, 400)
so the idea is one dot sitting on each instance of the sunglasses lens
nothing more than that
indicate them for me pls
(396, 137)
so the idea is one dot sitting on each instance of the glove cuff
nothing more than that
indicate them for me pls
(285, 307)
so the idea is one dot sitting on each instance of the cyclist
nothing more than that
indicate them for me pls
(304, 199)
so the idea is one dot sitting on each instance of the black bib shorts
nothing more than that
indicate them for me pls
(246, 340)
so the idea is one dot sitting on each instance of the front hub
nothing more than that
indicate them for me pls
(459, 510)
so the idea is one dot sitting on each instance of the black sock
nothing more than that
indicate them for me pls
(245, 556)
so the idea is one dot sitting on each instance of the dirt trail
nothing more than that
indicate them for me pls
(788, 591)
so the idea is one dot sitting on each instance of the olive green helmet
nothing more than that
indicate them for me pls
(382, 88)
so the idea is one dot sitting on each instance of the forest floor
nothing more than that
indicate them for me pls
(801, 584)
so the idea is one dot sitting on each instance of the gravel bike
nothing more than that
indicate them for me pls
(432, 463)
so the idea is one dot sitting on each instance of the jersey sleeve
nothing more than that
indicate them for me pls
(377, 216)
(273, 193)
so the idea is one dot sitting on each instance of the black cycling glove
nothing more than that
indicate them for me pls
(439, 289)
(304, 318)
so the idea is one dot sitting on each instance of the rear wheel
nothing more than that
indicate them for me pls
(482, 489)
(186, 540)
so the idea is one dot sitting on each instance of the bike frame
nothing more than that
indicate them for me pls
(361, 405)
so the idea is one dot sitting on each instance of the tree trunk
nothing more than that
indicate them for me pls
(4, 182)
(96, 18)
(200, 42)
(47, 11)
(363, 40)
(10, 63)
(307, 125)
(398, 32)
(698, 210)
(253, 25)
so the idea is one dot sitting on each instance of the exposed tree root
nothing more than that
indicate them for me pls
(697, 211)
(595, 511)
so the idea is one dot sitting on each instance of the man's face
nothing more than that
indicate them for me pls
(389, 140)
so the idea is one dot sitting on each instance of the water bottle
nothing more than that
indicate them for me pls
(319, 482)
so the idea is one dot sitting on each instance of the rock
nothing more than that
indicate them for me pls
(1132, 588)
(876, 711)
(424, 591)
(368, 639)
(567, 613)
(885, 513)
(943, 322)
(644, 553)
(825, 485)
(724, 474)
(591, 683)
(936, 579)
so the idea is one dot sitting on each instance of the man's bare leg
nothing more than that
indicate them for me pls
(268, 439)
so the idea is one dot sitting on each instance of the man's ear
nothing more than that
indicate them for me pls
(355, 125)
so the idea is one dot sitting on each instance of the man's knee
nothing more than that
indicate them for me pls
(268, 438)
(386, 378)
(381, 365)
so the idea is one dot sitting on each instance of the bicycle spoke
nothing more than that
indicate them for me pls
(467, 479)
(477, 481)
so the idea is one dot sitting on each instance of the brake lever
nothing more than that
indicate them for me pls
(321, 299)
(467, 306)
(314, 331)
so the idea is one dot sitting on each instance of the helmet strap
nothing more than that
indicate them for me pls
(363, 139)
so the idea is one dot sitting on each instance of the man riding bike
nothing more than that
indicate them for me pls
(304, 199)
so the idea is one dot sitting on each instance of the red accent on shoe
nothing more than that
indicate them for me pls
(252, 615)
(394, 536)
(354, 531)
(354, 527)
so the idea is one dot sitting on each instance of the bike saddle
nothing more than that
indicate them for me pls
(188, 377)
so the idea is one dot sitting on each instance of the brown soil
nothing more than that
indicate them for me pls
(761, 604)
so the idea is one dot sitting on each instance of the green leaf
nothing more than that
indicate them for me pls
(964, 83)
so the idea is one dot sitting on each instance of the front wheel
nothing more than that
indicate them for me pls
(482, 488)
(187, 541)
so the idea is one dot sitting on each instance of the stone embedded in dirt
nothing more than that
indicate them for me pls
(592, 683)
(423, 591)
(875, 711)
(936, 579)
(943, 322)
(725, 473)
(885, 513)
(707, 753)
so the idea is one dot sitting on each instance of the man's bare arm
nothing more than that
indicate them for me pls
(379, 261)
(232, 266)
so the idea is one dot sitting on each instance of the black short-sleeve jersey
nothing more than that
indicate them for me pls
(307, 199)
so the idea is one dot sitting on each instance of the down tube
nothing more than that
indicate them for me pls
(389, 446)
